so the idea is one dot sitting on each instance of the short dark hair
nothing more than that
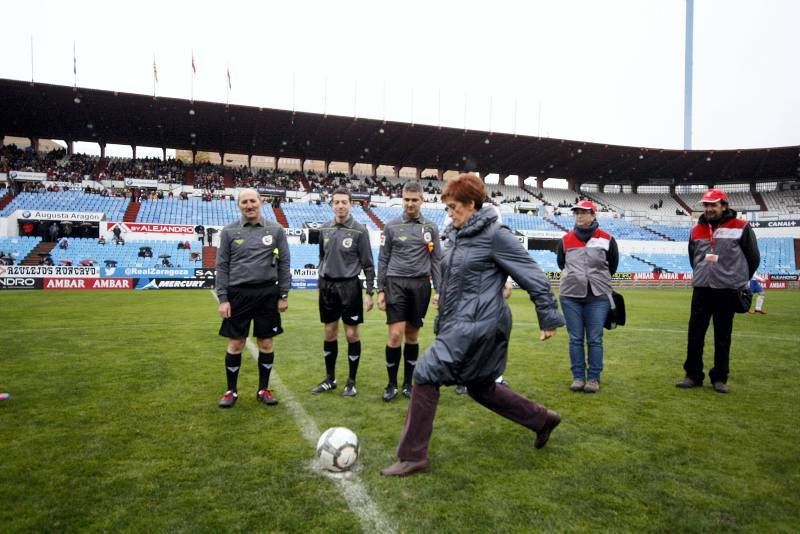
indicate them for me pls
(412, 186)
(465, 189)
(342, 191)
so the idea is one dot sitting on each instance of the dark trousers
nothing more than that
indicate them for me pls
(497, 397)
(707, 304)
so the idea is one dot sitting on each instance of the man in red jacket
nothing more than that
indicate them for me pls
(724, 255)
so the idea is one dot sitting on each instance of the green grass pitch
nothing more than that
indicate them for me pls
(114, 426)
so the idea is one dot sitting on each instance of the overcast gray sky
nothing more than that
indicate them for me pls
(601, 71)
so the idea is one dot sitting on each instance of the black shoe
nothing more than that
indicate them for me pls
(265, 396)
(550, 424)
(390, 392)
(461, 390)
(326, 385)
(228, 399)
(401, 469)
(350, 389)
(407, 391)
(688, 382)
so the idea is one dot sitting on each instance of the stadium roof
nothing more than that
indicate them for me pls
(40, 110)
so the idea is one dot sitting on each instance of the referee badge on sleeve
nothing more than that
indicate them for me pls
(267, 240)
(427, 237)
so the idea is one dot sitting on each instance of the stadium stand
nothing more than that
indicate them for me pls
(742, 202)
(777, 255)
(629, 264)
(14, 249)
(644, 203)
(546, 259)
(113, 207)
(674, 263)
(676, 233)
(519, 221)
(361, 216)
(193, 211)
(87, 250)
(299, 213)
(564, 198)
(619, 228)
(509, 193)
(435, 215)
(170, 171)
(305, 255)
(783, 202)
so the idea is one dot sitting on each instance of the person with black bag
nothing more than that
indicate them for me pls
(588, 257)
(724, 255)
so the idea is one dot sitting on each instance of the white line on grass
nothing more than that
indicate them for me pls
(353, 490)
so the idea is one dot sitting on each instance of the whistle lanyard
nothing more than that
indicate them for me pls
(711, 237)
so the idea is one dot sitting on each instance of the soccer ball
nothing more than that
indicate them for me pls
(337, 449)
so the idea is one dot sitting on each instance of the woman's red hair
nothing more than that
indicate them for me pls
(465, 189)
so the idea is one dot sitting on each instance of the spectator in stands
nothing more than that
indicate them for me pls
(101, 241)
(724, 255)
(407, 263)
(474, 325)
(53, 232)
(757, 288)
(252, 285)
(63, 243)
(587, 257)
(344, 251)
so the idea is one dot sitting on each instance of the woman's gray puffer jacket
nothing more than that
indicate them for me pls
(474, 322)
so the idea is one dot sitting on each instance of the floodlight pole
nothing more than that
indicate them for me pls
(687, 88)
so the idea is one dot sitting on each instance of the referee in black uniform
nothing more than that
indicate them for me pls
(253, 281)
(344, 251)
(409, 258)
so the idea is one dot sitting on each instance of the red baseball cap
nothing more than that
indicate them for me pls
(714, 195)
(585, 205)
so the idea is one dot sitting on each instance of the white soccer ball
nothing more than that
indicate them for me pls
(337, 449)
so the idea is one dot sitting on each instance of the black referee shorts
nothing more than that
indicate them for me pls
(341, 299)
(407, 300)
(256, 304)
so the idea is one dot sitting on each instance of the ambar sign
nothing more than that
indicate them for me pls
(88, 283)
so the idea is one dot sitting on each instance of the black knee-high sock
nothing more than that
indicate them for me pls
(353, 357)
(330, 349)
(410, 354)
(393, 356)
(232, 364)
(265, 360)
